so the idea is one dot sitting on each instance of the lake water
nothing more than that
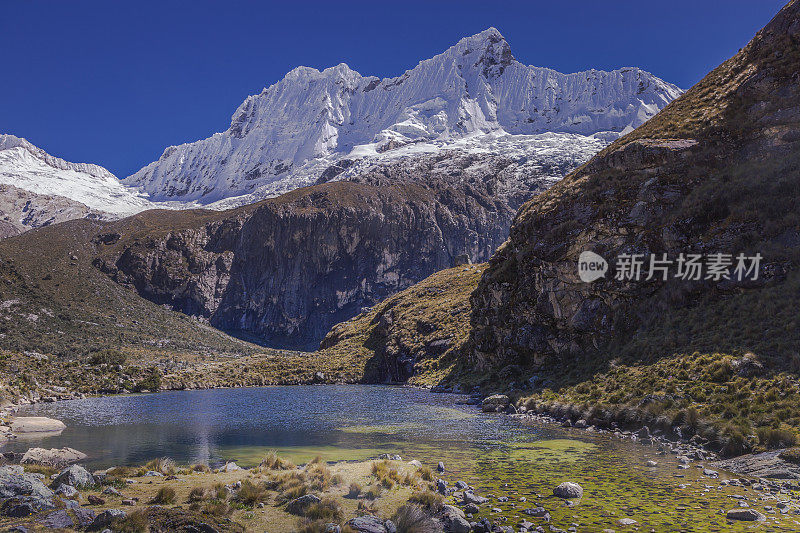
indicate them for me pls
(496, 454)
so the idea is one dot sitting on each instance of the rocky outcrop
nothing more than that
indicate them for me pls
(285, 270)
(21, 210)
(715, 172)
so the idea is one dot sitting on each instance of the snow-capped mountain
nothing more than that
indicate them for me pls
(28, 167)
(300, 128)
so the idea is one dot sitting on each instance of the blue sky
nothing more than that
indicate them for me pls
(114, 83)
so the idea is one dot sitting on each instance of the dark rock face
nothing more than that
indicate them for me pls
(285, 270)
(712, 173)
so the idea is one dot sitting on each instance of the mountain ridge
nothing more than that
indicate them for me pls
(473, 87)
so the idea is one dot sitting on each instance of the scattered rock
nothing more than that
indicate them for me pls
(107, 518)
(36, 424)
(747, 515)
(25, 487)
(440, 467)
(626, 522)
(75, 476)
(231, 467)
(368, 524)
(470, 497)
(68, 491)
(58, 520)
(57, 457)
(96, 500)
(568, 490)
(491, 403)
(299, 505)
(453, 520)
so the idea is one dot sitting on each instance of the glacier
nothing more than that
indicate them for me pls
(296, 129)
(314, 126)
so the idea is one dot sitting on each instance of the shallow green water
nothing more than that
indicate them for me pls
(494, 453)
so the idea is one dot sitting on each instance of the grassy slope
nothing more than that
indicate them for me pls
(437, 308)
(679, 367)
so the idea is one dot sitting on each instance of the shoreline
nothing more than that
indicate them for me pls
(741, 465)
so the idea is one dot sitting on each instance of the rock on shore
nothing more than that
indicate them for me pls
(36, 424)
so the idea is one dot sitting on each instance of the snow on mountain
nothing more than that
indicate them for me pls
(28, 167)
(474, 95)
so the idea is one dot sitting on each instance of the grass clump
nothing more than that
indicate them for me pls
(354, 491)
(197, 494)
(427, 499)
(411, 518)
(164, 496)
(163, 465)
(135, 522)
(273, 462)
(373, 492)
(327, 509)
(791, 455)
(251, 494)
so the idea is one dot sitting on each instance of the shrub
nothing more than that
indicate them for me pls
(201, 468)
(354, 490)
(250, 493)
(791, 454)
(306, 525)
(220, 491)
(327, 509)
(319, 476)
(410, 518)
(163, 465)
(372, 493)
(151, 383)
(273, 462)
(197, 494)
(135, 522)
(164, 496)
(775, 438)
(107, 356)
(428, 499)
(426, 473)
(217, 508)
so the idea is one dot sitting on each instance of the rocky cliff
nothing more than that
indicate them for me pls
(716, 171)
(285, 270)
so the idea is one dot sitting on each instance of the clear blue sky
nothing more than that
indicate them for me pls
(114, 83)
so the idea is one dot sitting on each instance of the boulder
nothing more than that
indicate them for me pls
(18, 508)
(470, 497)
(58, 457)
(495, 401)
(299, 505)
(36, 424)
(67, 491)
(568, 490)
(368, 524)
(25, 488)
(231, 467)
(57, 520)
(107, 518)
(747, 515)
(75, 476)
(453, 520)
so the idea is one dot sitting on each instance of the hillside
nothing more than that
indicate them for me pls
(717, 171)
(416, 336)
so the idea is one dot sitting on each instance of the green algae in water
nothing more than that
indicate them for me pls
(385, 429)
(251, 456)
